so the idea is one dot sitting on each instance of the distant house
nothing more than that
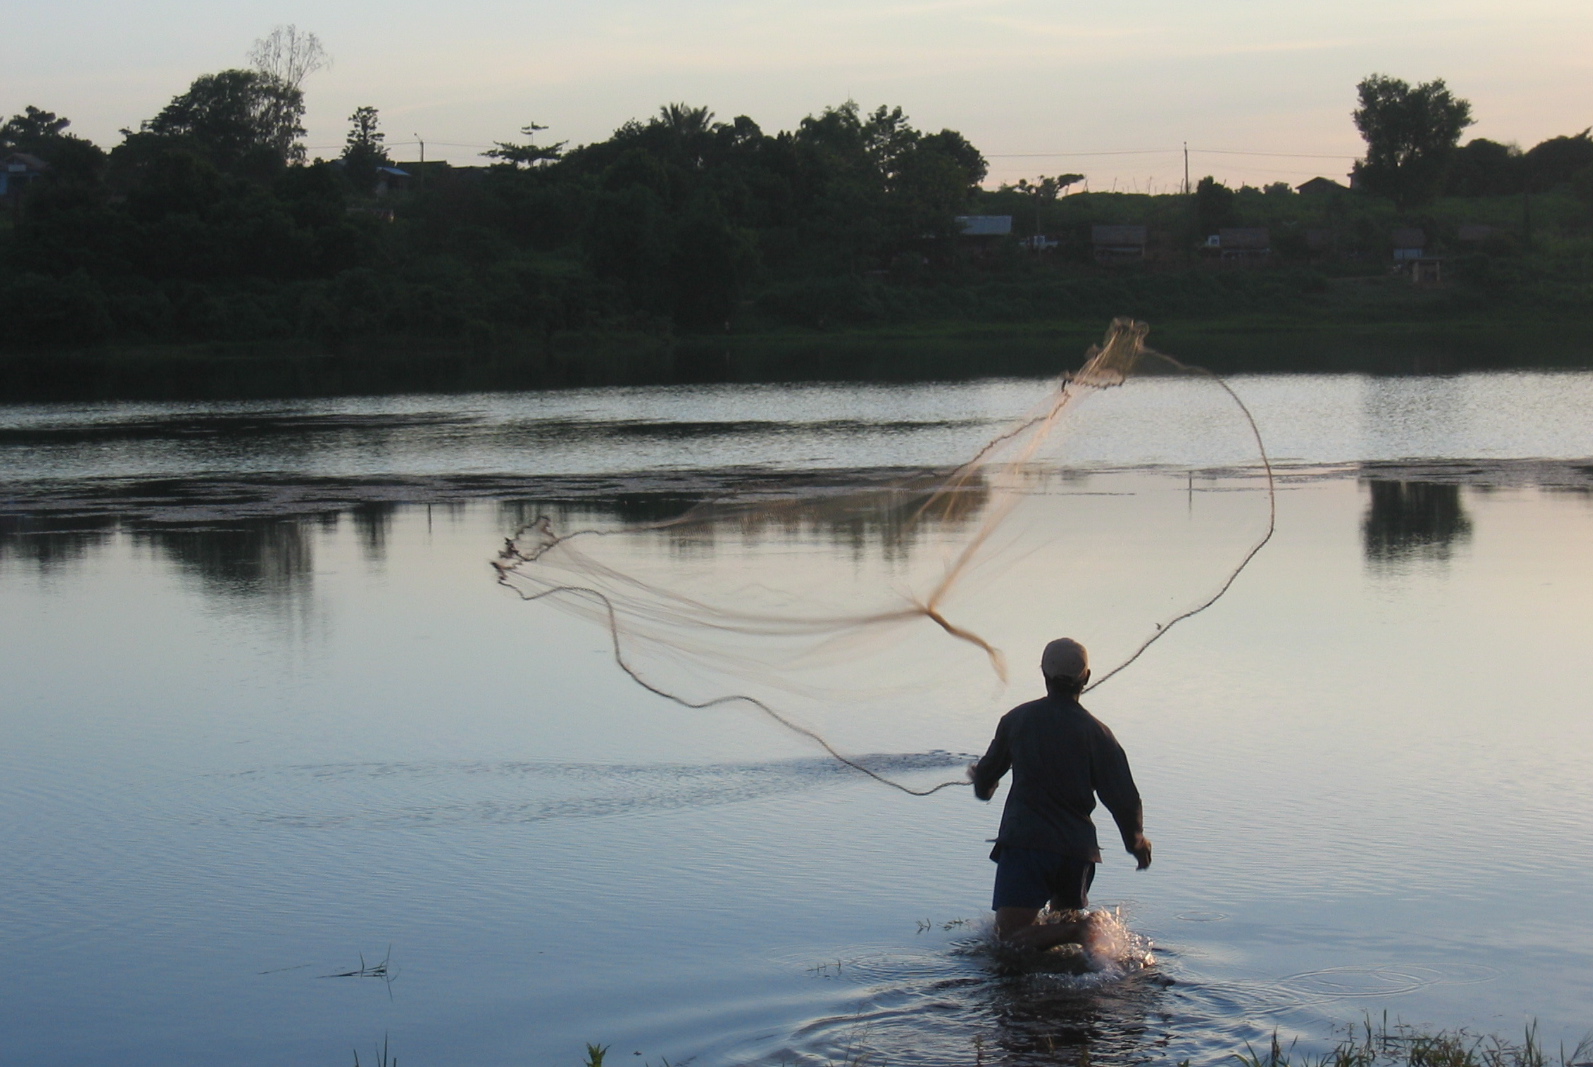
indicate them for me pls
(1411, 256)
(984, 225)
(17, 170)
(1409, 244)
(1320, 187)
(1118, 244)
(1244, 244)
(391, 180)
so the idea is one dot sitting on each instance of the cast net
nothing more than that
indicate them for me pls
(875, 608)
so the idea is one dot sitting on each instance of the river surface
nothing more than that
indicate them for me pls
(284, 772)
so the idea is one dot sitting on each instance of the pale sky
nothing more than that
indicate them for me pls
(1026, 81)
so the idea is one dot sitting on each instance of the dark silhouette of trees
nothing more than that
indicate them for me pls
(363, 148)
(241, 121)
(286, 56)
(1042, 191)
(1410, 134)
(1214, 205)
(32, 130)
(1485, 168)
(72, 159)
(204, 227)
(1558, 160)
(527, 153)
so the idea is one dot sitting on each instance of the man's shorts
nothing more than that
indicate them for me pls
(1028, 878)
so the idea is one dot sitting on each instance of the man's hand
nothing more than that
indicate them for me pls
(1141, 848)
(973, 777)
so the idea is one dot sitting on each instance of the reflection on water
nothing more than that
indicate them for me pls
(1413, 521)
(954, 1007)
(49, 541)
(255, 537)
(271, 560)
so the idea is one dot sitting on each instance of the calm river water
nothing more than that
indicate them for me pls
(266, 719)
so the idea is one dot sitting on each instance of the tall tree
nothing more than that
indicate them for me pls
(1213, 205)
(289, 55)
(363, 149)
(237, 119)
(1410, 134)
(529, 154)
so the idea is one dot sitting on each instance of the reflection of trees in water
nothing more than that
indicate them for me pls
(1413, 520)
(273, 555)
(888, 519)
(373, 521)
(267, 556)
(271, 558)
(52, 541)
(248, 557)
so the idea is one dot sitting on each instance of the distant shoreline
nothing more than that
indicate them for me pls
(938, 351)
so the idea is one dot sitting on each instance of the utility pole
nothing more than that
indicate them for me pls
(1526, 209)
(422, 181)
(1186, 168)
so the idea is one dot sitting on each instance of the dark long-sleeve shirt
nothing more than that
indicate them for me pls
(1061, 757)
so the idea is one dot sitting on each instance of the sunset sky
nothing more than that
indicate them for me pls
(1118, 88)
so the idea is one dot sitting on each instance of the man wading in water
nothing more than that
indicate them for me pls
(1060, 756)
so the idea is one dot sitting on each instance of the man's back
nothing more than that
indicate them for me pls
(1060, 756)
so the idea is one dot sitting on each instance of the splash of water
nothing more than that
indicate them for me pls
(1109, 952)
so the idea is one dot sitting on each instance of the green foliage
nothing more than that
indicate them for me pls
(363, 148)
(528, 154)
(200, 229)
(32, 131)
(240, 120)
(38, 309)
(1559, 160)
(72, 160)
(1214, 205)
(1410, 136)
(1486, 168)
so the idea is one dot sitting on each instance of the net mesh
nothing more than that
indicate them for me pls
(863, 610)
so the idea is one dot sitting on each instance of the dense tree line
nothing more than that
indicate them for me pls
(1414, 154)
(206, 223)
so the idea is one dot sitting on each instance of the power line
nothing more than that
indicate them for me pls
(1051, 155)
(1165, 152)
(1276, 155)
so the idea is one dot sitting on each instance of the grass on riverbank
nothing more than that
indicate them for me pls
(1403, 1046)
(1370, 1045)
